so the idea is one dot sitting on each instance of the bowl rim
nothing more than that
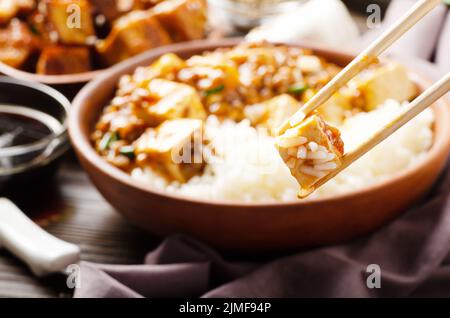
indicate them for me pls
(75, 78)
(84, 148)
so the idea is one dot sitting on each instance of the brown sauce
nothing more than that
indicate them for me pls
(17, 129)
(22, 127)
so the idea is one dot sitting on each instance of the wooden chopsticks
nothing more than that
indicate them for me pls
(414, 108)
(365, 58)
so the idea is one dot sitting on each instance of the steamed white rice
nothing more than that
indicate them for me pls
(247, 166)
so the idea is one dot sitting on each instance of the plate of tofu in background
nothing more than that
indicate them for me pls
(61, 42)
(181, 139)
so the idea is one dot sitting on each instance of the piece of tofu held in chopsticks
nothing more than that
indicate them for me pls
(311, 149)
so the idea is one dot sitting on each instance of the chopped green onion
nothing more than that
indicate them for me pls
(107, 139)
(34, 30)
(297, 89)
(127, 151)
(214, 90)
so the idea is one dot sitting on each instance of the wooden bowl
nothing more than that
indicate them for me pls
(69, 84)
(243, 226)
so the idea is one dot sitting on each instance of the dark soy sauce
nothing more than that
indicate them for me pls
(32, 190)
(21, 126)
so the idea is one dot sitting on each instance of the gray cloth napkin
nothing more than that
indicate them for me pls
(412, 251)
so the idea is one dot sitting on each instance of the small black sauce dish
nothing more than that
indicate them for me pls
(33, 135)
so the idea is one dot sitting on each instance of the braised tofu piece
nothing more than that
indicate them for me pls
(279, 109)
(259, 55)
(311, 150)
(165, 67)
(185, 20)
(174, 148)
(310, 64)
(335, 109)
(273, 112)
(71, 21)
(59, 60)
(17, 44)
(128, 121)
(216, 78)
(9, 9)
(173, 100)
(132, 34)
(167, 137)
(390, 81)
(210, 72)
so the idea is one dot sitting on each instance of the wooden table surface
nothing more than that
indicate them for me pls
(83, 217)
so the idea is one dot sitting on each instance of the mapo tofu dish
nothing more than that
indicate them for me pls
(56, 37)
(170, 123)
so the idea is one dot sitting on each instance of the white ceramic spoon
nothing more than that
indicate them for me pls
(42, 252)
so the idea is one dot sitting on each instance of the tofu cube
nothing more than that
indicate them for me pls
(169, 136)
(173, 100)
(334, 110)
(390, 81)
(261, 55)
(71, 20)
(311, 150)
(210, 71)
(279, 109)
(133, 33)
(17, 44)
(167, 65)
(173, 148)
(185, 20)
(60, 60)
